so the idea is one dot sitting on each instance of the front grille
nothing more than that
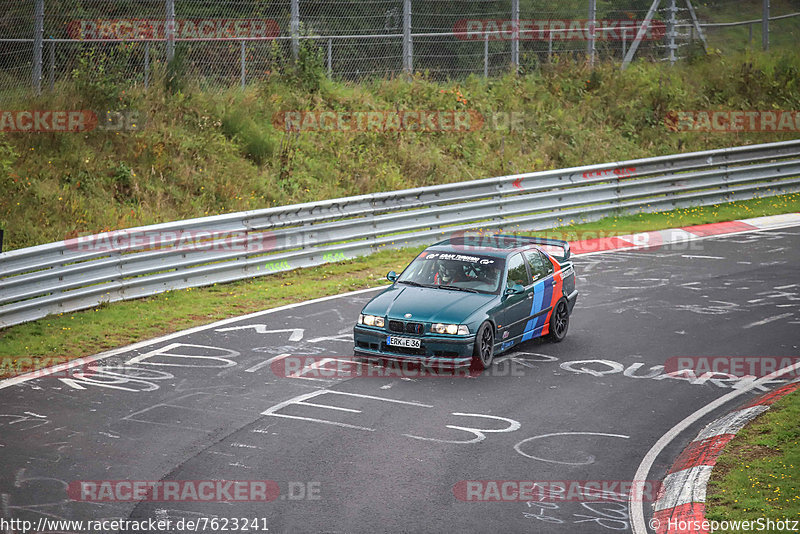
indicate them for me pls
(414, 328)
(408, 328)
(396, 326)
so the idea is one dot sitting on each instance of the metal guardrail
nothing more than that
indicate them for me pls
(83, 272)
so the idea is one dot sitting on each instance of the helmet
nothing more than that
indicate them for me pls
(445, 273)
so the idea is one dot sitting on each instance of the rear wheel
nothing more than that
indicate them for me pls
(559, 322)
(483, 353)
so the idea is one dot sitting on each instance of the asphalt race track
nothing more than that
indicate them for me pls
(371, 454)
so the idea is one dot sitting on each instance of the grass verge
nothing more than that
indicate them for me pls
(73, 335)
(758, 474)
(207, 151)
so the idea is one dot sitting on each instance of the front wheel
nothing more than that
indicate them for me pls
(559, 322)
(483, 353)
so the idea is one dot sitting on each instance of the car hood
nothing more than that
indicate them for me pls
(427, 304)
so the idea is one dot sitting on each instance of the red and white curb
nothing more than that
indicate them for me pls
(682, 496)
(687, 233)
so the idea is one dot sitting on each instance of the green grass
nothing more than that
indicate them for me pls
(206, 151)
(758, 474)
(782, 33)
(67, 336)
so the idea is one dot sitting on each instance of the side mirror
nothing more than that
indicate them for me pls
(516, 289)
(392, 276)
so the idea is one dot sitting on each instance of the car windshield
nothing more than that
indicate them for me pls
(452, 270)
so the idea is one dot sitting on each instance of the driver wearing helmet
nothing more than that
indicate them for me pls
(444, 274)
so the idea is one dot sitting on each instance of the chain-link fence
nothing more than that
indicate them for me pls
(222, 42)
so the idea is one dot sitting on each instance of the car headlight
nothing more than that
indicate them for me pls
(370, 320)
(452, 329)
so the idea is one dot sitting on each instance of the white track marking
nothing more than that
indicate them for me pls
(332, 407)
(691, 256)
(769, 320)
(591, 458)
(477, 432)
(316, 365)
(297, 333)
(301, 400)
(635, 503)
(260, 365)
(323, 421)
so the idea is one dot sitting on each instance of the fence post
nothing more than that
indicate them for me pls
(51, 75)
(146, 64)
(170, 29)
(624, 41)
(515, 33)
(242, 68)
(486, 54)
(672, 30)
(408, 46)
(38, 34)
(765, 26)
(550, 45)
(295, 29)
(330, 58)
(590, 46)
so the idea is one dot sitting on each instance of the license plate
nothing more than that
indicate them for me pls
(408, 342)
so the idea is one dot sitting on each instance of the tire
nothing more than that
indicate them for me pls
(483, 353)
(559, 322)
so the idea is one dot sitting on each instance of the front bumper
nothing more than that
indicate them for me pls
(435, 350)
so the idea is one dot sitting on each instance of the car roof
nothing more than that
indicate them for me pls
(487, 245)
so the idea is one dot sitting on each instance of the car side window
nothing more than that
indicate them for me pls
(548, 265)
(540, 266)
(517, 273)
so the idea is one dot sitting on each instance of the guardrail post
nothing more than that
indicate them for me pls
(38, 34)
(765, 26)
(295, 29)
(408, 45)
(170, 29)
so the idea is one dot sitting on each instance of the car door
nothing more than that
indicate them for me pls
(542, 292)
(516, 307)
